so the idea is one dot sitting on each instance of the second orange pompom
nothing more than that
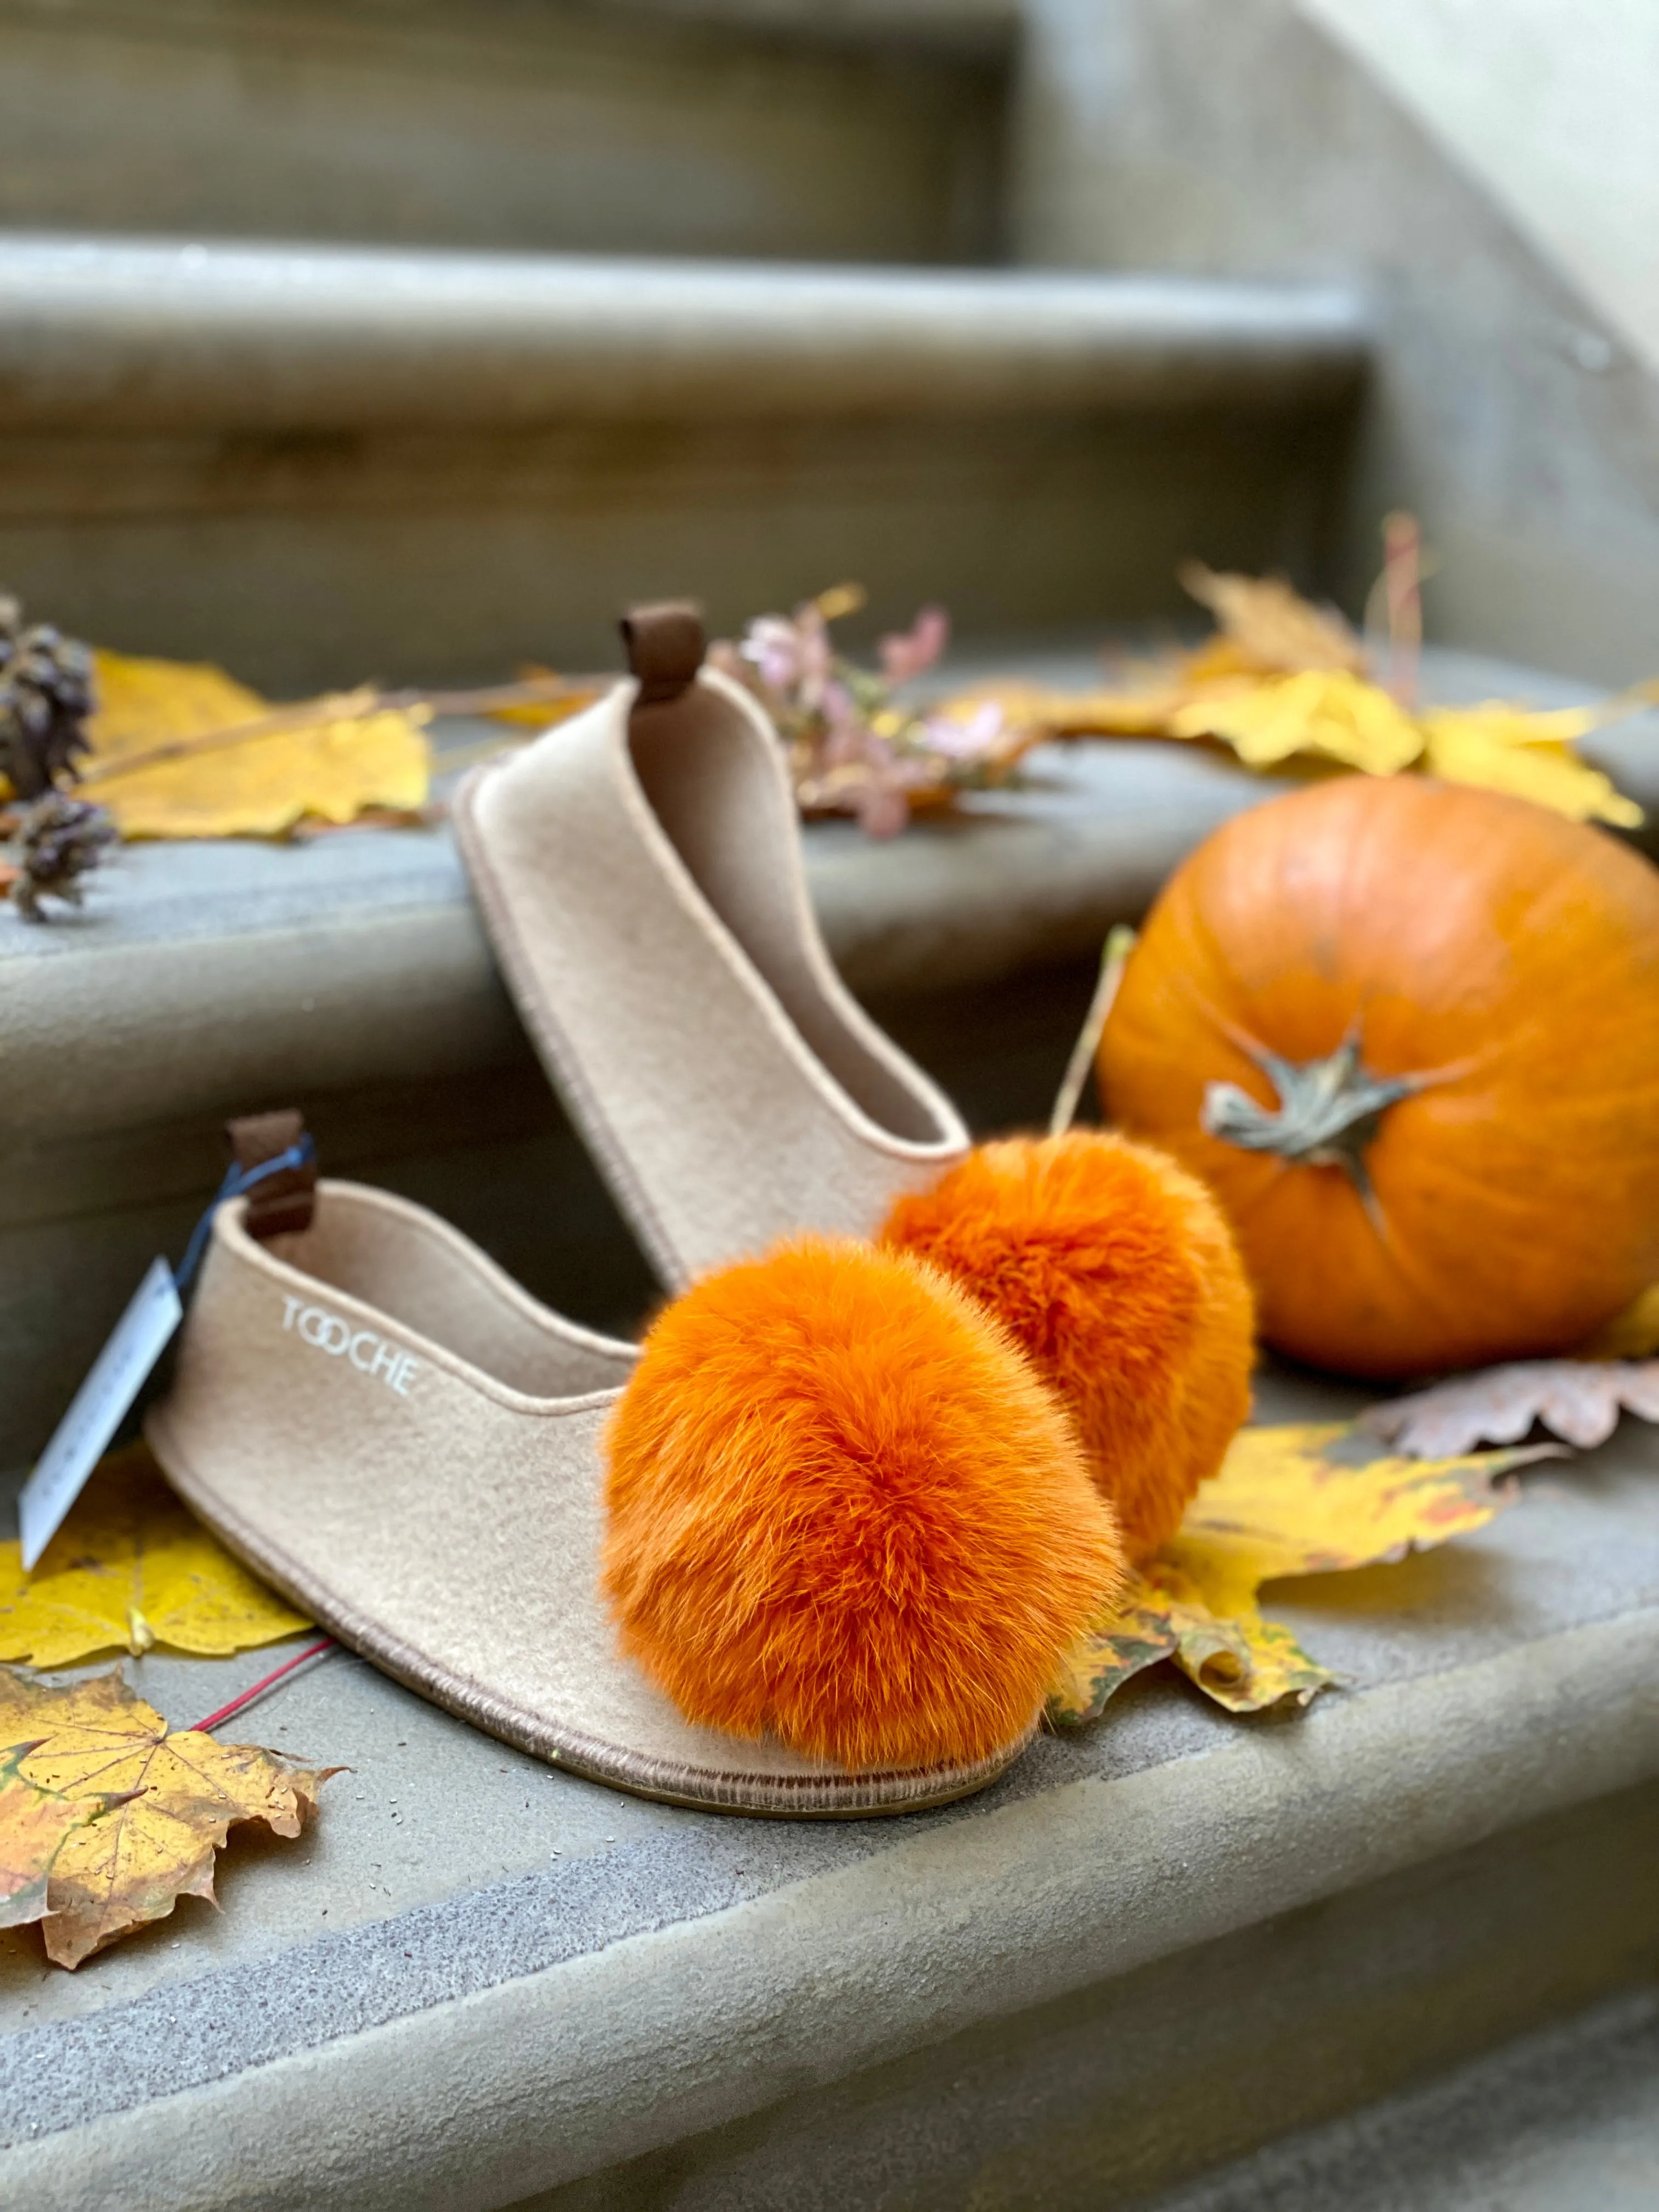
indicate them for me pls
(1114, 1271)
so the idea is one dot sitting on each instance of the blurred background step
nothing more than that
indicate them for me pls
(1513, 322)
(314, 463)
(808, 130)
(1562, 2121)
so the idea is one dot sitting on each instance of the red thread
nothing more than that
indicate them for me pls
(323, 1644)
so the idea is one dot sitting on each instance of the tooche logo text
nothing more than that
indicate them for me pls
(369, 1352)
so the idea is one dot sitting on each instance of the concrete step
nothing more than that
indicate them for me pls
(316, 463)
(1158, 1944)
(1561, 2121)
(821, 130)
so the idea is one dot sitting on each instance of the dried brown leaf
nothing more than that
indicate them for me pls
(1577, 1400)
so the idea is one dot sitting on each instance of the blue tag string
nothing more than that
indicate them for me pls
(237, 1182)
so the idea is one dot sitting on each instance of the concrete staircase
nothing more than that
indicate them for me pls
(1165, 1942)
(340, 339)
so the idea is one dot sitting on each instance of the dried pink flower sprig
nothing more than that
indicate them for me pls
(852, 749)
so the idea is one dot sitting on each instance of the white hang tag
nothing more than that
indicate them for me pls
(102, 1403)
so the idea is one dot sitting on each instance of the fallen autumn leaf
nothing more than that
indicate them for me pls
(1505, 748)
(1282, 680)
(1269, 626)
(1326, 713)
(168, 1803)
(1303, 1499)
(1577, 1400)
(131, 1567)
(34, 1823)
(258, 783)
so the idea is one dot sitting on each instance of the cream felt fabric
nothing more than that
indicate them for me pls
(639, 871)
(382, 1423)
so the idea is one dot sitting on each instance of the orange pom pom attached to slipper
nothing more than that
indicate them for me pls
(1115, 1270)
(844, 1509)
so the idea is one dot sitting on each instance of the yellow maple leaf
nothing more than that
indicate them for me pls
(1282, 679)
(1307, 1498)
(1266, 624)
(34, 1825)
(1327, 713)
(330, 760)
(131, 1567)
(1527, 753)
(169, 1802)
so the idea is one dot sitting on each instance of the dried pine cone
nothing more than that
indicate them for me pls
(46, 695)
(58, 841)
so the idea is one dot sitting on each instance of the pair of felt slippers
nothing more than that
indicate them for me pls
(816, 1546)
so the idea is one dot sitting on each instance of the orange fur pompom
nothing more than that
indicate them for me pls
(843, 1509)
(1115, 1271)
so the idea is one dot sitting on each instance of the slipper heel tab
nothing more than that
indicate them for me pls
(283, 1202)
(664, 646)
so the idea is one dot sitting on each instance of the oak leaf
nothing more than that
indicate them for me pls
(1577, 1400)
(240, 768)
(1308, 1499)
(131, 1567)
(170, 1800)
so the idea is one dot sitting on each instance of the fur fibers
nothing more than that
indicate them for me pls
(1115, 1272)
(843, 1509)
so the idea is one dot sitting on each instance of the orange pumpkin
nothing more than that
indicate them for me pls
(1408, 1033)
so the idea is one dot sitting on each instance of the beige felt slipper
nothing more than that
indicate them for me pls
(639, 872)
(385, 1426)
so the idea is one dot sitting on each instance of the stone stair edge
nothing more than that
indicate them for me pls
(971, 1920)
(108, 332)
(206, 972)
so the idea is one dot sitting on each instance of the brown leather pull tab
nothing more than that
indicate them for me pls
(665, 647)
(285, 1200)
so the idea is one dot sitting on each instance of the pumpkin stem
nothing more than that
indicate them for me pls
(1328, 1110)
